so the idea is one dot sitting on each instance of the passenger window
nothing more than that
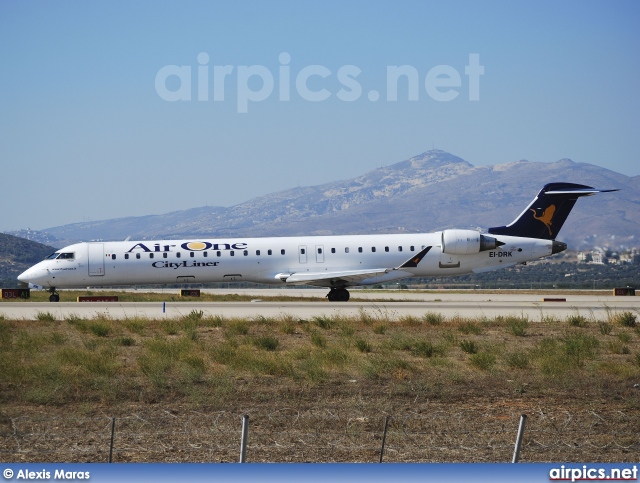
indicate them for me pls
(333, 250)
(373, 249)
(319, 251)
(346, 249)
(113, 257)
(258, 252)
(246, 252)
(302, 251)
(232, 253)
(399, 249)
(126, 256)
(218, 253)
(282, 252)
(178, 255)
(359, 249)
(164, 255)
(138, 256)
(269, 252)
(150, 255)
(191, 254)
(413, 249)
(205, 254)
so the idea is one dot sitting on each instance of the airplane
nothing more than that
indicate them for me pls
(336, 262)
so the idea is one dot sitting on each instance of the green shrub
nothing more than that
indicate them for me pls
(45, 316)
(136, 325)
(266, 342)
(624, 337)
(288, 327)
(237, 327)
(433, 318)
(469, 346)
(324, 322)
(605, 327)
(618, 347)
(127, 341)
(380, 329)
(423, 348)
(579, 347)
(362, 345)
(470, 328)
(318, 340)
(100, 329)
(518, 326)
(193, 316)
(517, 360)
(626, 319)
(170, 327)
(577, 321)
(224, 353)
(483, 360)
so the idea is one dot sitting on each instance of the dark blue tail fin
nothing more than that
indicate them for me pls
(546, 214)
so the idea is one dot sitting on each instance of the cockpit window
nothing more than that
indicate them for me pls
(61, 256)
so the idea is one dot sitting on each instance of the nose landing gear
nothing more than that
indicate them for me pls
(55, 296)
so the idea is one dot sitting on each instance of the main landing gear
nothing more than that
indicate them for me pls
(338, 295)
(54, 297)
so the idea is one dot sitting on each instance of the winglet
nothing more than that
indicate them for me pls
(413, 261)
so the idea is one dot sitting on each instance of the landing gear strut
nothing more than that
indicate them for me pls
(54, 297)
(338, 295)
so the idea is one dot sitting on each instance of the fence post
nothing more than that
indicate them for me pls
(113, 430)
(516, 451)
(243, 443)
(384, 436)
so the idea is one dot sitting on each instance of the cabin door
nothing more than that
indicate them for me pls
(96, 259)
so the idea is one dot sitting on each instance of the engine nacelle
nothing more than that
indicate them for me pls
(466, 242)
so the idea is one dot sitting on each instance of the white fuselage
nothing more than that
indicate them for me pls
(269, 260)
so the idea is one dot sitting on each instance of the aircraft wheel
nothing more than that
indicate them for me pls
(54, 298)
(343, 295)
(338, 295)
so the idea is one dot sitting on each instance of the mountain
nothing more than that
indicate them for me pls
(432, 191)
(18, 254)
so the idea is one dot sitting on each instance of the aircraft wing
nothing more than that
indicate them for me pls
(348, 277)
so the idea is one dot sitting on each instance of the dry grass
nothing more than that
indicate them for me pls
(200, 363)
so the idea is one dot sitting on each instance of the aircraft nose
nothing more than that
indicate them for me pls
(33, 275)
(24, 277)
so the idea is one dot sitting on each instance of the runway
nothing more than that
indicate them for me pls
(397, 304)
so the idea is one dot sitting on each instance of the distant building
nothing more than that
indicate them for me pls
(597, 258)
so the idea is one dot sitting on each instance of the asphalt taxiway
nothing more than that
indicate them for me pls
(396, 304)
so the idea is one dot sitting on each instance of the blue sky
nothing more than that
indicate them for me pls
(85, 134)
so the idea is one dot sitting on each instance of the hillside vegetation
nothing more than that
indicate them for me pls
(18, 254)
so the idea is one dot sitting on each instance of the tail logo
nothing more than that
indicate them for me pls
(547, 217)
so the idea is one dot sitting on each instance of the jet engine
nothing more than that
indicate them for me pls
(466, 242)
